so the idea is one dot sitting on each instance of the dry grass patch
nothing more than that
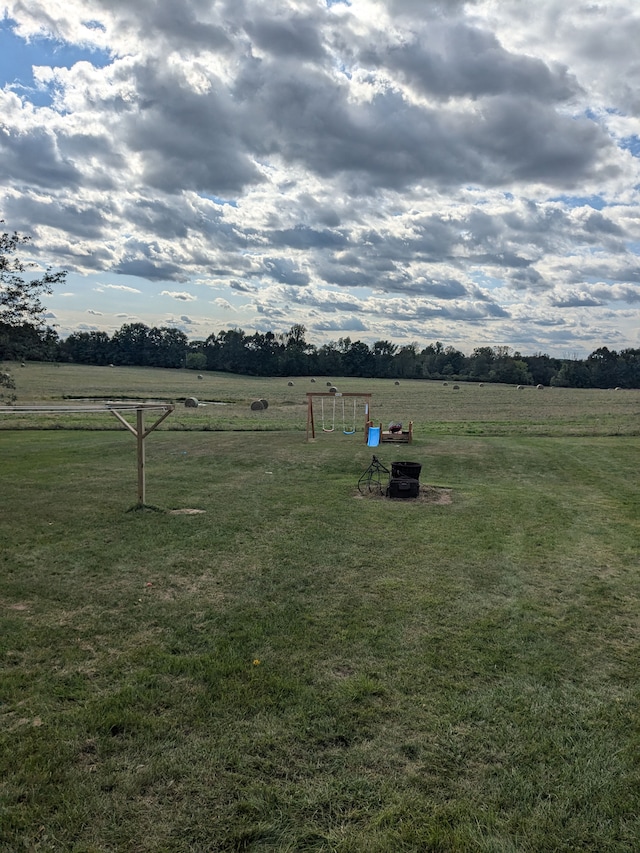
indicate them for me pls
(427, 495)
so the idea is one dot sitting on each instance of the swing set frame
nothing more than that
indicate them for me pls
(321, 396)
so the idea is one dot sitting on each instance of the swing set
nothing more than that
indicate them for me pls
(333, 408)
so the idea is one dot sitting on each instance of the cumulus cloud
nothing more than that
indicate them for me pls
(124, 288)
(388, 167)
(182, 296)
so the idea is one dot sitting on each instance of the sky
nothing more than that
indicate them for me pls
(403, 170)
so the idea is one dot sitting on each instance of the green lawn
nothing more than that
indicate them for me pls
(298, 667)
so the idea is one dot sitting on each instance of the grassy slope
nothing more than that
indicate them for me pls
(454, 676)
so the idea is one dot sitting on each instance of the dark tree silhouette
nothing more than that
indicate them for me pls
(20, 305)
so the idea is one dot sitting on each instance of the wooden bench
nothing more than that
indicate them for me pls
(403, 437)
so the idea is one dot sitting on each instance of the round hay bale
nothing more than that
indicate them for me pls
(200, 376)
(23, 364)
(328, 385)
(313, 380)
(539, 387)
(112, 365)
(456, 387)
(445, 384)
(519, 387)
(481, 385)
(396, 382)
(191, 403)
(257, 406)
(333, 390)
(290, 384)
(265, 403)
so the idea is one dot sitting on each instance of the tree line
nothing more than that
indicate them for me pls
(289, 354)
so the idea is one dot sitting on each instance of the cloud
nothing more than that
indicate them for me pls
(124, 288)
(182, 296)
(242, 287)
(284, 270)
(576, 299)
(345, 324)
(452, 58)
(463, 169)
(183, 323)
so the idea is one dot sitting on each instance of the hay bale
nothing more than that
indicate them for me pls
(257, 406)
(481, 385)
(333, 390)
(191, 403)
(445, 384)
(200, 376)
(519, 387)
(539, 387)
(396, 382)
(328, 385)
(290, 384)
(456, 387)
(265, 403)
(313, 380)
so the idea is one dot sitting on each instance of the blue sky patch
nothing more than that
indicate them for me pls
(631, 144)
(594, 201)
(17, 58)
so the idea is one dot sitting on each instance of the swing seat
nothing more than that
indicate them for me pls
(373, 438)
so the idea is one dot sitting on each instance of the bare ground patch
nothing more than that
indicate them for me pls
(427, 495)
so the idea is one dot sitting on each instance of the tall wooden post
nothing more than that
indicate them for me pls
(140, 436)
(310, 422)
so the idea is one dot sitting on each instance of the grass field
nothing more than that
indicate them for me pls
(299, 667)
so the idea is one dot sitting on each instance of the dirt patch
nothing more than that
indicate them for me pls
(426, 495)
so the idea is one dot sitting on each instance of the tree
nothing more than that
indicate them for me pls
(131, 345)
(87, 348)
(20, 297)
(20, 304)
(604, 368)
(383, 352)
(196, 361)
(358, 360)
(6, 381)
(405, 361)
(294, 360)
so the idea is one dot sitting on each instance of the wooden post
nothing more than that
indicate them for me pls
(140, 434)
(140, 437)
(310, 422)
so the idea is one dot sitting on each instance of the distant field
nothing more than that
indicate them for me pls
(270, 660)
(434, 407)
